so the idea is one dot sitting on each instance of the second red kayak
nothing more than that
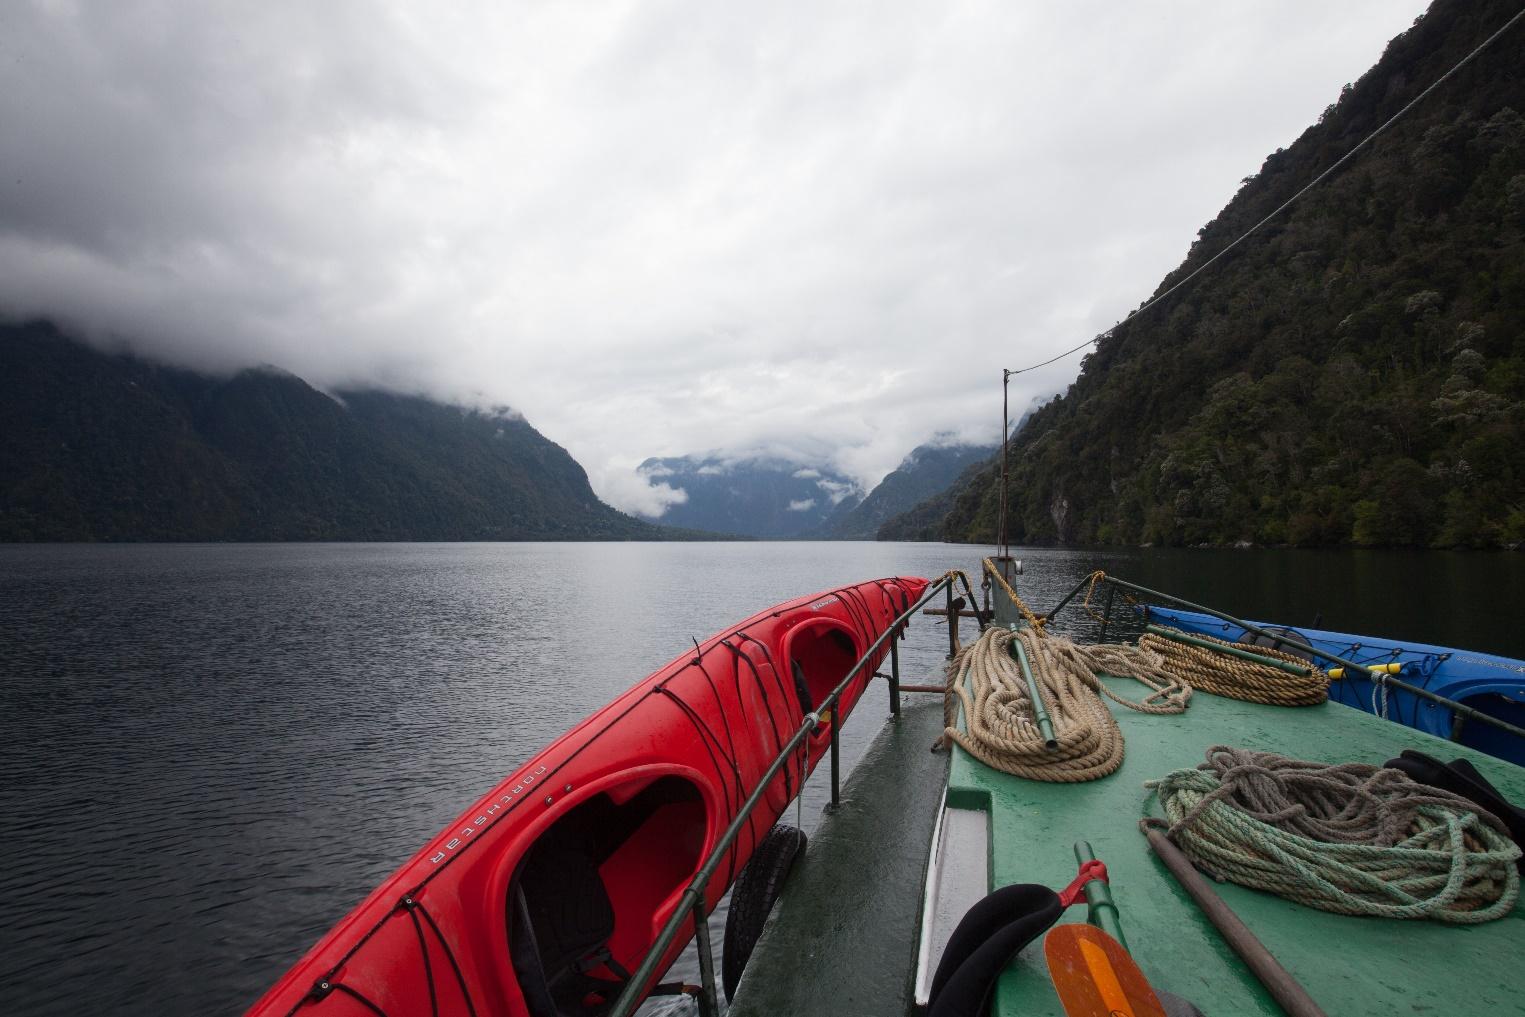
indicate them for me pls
(544, 895)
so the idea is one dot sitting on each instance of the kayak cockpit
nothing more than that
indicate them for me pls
(820, 653)
(587, 899)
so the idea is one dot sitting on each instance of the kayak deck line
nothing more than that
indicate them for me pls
(1352, 965)
(580, 878)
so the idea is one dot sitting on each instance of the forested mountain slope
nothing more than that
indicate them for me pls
(1354, 373)
(110, 447)
(928, 471)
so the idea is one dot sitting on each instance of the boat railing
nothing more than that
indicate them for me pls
(1461, 712)
(693, 900)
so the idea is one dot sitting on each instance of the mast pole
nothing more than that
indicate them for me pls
(1005, 432)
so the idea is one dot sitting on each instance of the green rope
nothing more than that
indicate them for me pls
(1350, 838)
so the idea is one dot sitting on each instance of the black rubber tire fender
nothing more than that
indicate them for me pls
(758, 886)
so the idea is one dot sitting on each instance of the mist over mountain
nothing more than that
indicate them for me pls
(927, 471)
(756, 494)
(921, 517)
(1351, 374)
(112, 447)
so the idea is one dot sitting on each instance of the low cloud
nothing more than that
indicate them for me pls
(802, 505)
(631, 491)
(652, 228)
(837, 491)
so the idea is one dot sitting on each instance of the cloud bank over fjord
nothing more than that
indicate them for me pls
(653, 228)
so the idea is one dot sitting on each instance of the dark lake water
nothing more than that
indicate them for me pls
(214, 751)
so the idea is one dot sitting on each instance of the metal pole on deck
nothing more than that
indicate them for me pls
(1285, 989)
(836, 764)
(952, 625)
(1101, 910)
(1005, 436)
(708, 1000)
(1005, 611)
(1040, 711)
(895, 676)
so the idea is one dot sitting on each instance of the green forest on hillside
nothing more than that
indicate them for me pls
(1353, 374)
(112, 447)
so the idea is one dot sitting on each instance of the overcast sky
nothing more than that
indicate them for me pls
(654, 228)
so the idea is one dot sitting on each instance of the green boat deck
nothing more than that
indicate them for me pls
(842, 938)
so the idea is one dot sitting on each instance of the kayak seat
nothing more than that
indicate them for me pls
(801, 688)
(820, 656)
(560, 922)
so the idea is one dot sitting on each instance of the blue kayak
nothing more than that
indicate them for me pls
(1489, 684)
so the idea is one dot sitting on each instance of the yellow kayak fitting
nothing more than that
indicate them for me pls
(1337, 673)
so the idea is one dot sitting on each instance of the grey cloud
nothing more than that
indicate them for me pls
(653, 228)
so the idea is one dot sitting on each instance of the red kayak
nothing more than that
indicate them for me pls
(543, 896)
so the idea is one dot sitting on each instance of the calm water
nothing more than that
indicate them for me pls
(215, 751)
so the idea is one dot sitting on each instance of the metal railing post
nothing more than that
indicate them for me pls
(952, 623)
(895, 677)
(708, 1001)
(1106, 618)
(836, 759)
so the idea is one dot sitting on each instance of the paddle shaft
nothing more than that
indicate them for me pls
(1278, 981)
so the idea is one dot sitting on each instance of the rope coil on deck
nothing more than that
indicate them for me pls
(1002, 726)
(1236, 678)
(1350, 838)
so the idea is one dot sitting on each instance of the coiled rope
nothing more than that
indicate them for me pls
(1350, 838)
(1237, 678)
(1002, 727)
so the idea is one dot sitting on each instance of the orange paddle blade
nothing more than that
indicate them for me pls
(1094, 975)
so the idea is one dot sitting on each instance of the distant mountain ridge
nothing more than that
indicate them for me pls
(927, 471)
(753, 494)
(111, 447)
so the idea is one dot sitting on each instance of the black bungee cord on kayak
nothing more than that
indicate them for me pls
(731, 757)
(325, 986)
(359, 998)
(778, 680)
(423, 949)
(857, 607)
(725, 723)
(413, 907)
(706, 735)
(762, 688)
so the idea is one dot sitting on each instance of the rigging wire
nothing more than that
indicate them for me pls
(1283, 206)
